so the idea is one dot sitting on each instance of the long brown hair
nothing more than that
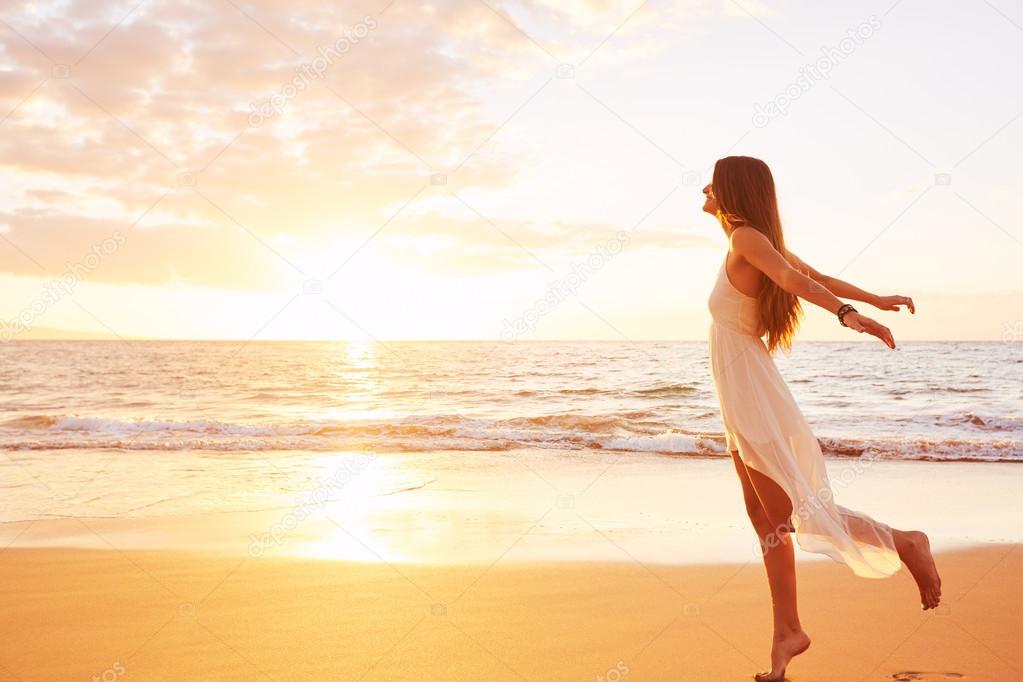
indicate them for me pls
(744, 189)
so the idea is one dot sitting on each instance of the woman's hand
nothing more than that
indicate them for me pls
(862, 323)
(893, 303)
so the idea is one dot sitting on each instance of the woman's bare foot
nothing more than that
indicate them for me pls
(915, 551)
(783, 650)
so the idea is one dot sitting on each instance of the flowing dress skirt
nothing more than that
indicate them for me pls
(763, 423)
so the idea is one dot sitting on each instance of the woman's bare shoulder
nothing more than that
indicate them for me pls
(745, 237)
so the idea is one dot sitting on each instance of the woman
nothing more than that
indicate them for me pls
(775, 453)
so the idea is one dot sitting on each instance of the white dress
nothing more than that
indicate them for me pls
(763, 422)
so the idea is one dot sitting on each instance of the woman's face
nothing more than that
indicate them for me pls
(710, 205)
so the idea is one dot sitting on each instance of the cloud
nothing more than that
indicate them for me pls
(115, 105)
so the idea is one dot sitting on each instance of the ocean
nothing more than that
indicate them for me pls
(394, 437)
(924, 401)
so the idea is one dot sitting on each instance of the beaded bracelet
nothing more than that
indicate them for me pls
(843, 311)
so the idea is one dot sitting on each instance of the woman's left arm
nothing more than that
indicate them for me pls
(844, 289)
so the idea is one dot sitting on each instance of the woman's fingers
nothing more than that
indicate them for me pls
(882, 332)
(903, 300)
(875, 328)
(861, 324)
(893, 303)
(889, 340)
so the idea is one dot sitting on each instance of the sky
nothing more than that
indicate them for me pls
(480, 169)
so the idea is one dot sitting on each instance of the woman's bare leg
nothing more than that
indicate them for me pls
(770, 509)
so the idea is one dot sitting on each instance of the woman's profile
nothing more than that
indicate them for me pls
(755, 310)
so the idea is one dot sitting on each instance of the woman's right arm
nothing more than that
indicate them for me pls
(752, 245)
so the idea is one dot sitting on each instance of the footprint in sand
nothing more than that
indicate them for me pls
(910, 675)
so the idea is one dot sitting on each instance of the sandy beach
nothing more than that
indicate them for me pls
(508, 566)
(175, 615)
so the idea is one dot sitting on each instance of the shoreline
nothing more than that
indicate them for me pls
(442, 507)
(173, 615)
(219, 535)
